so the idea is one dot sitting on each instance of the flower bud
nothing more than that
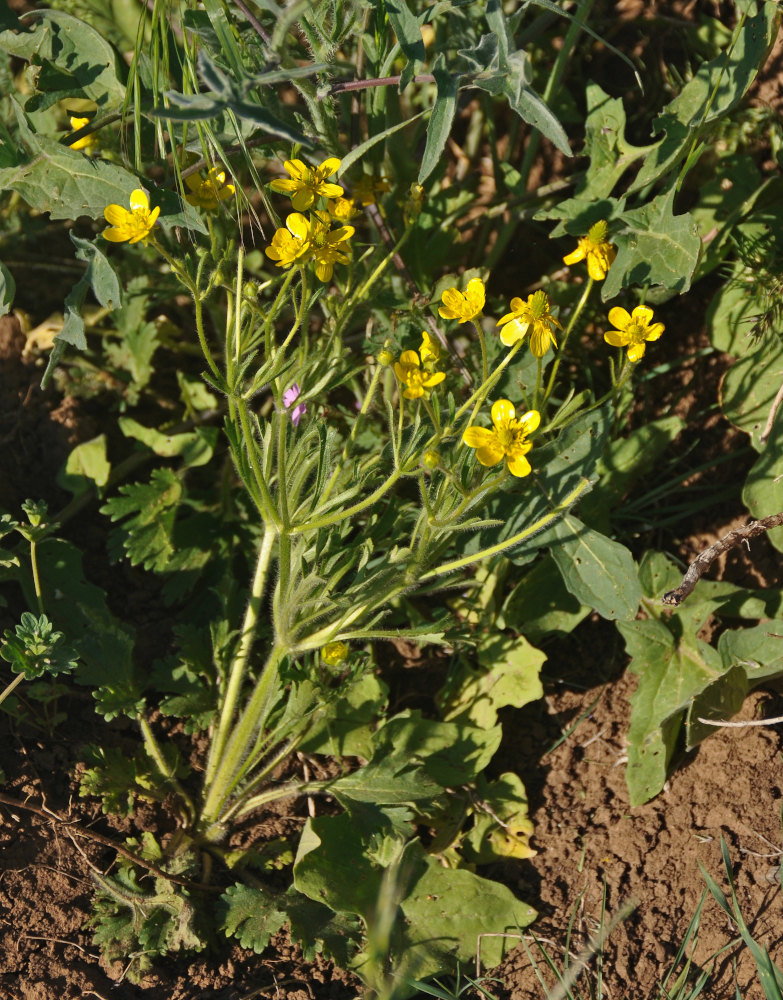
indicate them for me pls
(384, 357)
(334, 653)
(430, 459)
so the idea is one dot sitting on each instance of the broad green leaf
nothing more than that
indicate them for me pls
(762, 493)
(673, 667)
(624, 462)
(598, 571)
(251, 915)
(718, 86)
(451, 754)
(508, 675)
(541, 603)
(731, 313)
(749, 389)
(86, 64)
(758, 650)
(441, 119)
(7, 289)
(443, 911)
(655, 248)
(86, 466)
(717, 701)
(194, 447)
(345, 726)
(63, 182)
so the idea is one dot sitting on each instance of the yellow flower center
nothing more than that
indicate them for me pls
(539, 305)
(511, 437)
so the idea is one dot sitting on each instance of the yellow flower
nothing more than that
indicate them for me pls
(596, 249)
(325, 251)
(308, 183)
(130, 226)
(333, 653)
(507, 439)
(415, 381)
(524, 315)
(86, 142)
(466, 305)
(208, 192)
(342, 209)
(632, 331)
(369, 187)
(430, 351)
(292, 243)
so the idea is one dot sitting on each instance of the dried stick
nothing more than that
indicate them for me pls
(702, 561)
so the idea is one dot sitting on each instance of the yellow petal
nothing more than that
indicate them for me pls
(619, 317)
(330, 166)
(502, 411)
(153, 216)
(519, 466)
(296, 168)
(413, 392)
(491, 453)
(115, 214)
(298, 225)
(114, 235)
(343, 233)
(530, 421)
(513, 332)
(636, 352)
(411, 359)
(478, 437)
(575, 257)
(302, 199)
(330, 190)
(617, 338)
(324, 270)
(642, 314)
(595, 268)
(655, 331)
(139, 200)
(435, 379)
(284, 185)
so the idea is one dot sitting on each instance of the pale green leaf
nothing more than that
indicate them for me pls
(7, 289)
(193, 447)
(749, 389)
(86, 466)
(441, 119)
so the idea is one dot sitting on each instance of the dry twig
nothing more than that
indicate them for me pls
(702, 561)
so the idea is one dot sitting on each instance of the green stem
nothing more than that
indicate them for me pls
(344, 515)
(239, 666)
(36, 578)
(228, 769)
(494, 550)
(10, 687)
(483, 345)
(154, 751)
(269, 513)
(571, 323)
(481, 393)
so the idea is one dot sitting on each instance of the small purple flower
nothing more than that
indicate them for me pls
(290, 396)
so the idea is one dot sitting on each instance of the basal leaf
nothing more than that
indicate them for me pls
(62, 181)
(541, 604)
(502, 827)
(508, 675)
(598, 571)
(731, 313)
(251, 915)
(749, 389)
(673, 667)
(150, 509)
(758, 650)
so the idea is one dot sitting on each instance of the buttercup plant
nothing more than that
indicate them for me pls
(355, 470)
